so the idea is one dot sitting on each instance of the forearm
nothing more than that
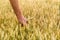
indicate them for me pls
(17, 11)
(15, 6)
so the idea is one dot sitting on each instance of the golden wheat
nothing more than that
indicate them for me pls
(43, 20)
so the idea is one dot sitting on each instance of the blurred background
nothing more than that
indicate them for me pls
(43, 20)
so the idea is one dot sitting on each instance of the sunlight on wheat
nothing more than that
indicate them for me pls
(43, 20)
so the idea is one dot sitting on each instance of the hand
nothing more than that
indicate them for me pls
(22, 20)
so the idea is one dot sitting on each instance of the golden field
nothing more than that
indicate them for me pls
(43, 20)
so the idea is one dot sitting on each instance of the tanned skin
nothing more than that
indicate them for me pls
(17, 10)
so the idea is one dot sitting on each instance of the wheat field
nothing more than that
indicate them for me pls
(43, 20)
